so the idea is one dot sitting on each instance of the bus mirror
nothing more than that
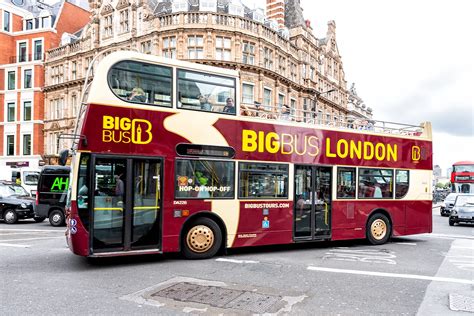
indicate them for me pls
(63, 155)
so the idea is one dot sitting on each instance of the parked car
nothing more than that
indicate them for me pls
(448, 204)
(463, 210)
(51, 194)
(16, 203)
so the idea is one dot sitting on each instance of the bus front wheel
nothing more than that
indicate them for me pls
(378, 229)
(202, 239)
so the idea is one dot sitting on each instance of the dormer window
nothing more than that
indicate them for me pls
(29, 24)
(46, 22)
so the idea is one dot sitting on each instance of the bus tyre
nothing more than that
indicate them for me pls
(10, 217)
(202, 240)
(378, 229)
(56, 218)
(39, 219)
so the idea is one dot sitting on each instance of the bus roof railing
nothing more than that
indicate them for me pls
(274, 112)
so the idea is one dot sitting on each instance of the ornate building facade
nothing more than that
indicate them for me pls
(278, 65)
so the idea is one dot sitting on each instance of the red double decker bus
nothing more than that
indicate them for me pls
(185, 167)
(462, 177)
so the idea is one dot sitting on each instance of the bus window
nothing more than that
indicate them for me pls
(204, 92)
(346, 179)
(401, 183)
(83, 190)
(204, 179)
(375, 183)
(258, 180)
(141, 83)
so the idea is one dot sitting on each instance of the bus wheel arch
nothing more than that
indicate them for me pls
(378, 227)
(207, 227)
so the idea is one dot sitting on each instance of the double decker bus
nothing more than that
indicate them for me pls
(462, 177)
(188, 168)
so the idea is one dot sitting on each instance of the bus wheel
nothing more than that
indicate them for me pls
(39, 219)
(202, 240)
(56, 218)
(378, 229)
(10, 217)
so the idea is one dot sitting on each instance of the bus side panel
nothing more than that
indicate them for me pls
(77, 236)
(419, 217)
(264, 223)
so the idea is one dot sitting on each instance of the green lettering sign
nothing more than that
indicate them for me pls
(60, 184)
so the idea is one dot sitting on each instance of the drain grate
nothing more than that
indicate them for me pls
(461, 303)
(222, 297)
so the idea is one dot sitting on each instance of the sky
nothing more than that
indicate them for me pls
(411, 61)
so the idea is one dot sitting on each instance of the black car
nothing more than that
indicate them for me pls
(16, 203)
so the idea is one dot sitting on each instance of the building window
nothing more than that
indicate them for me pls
(74, 105)
(248, 53)
(268, 58)
(124, 21)
(204, 179)
(10, 145)
(38, 50)
(11, 80)
(281, 101)
(267, 98)
(169, 47)
(108, 26)
(293, 73)
(145, 47)
(27, 144)
(259, 180)
(27, 78)
(74, 70)
(223, 48)
(6, 21)
(29, 24)
(195, 47)
(247, 93)
(45, 21)
(22, 52)
(11, 112)
(282, 65)
(27, 111)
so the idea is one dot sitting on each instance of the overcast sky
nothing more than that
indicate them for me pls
(411, 60)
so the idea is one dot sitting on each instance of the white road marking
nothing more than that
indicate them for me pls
(432, 235)
(31, 230)
(236, 261)
(406, 243)
(23, 239)
(15, 245)
(361, 255)
(392, 275)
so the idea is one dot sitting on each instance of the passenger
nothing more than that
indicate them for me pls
(204, 101)
(285, 112)
(137, 95)
(229, 106)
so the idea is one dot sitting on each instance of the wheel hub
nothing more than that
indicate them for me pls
(200, 238)
(9, 216)
(56, 218)
(378, 229)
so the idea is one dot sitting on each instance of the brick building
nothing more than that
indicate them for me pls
(28, 29)
(278, 63)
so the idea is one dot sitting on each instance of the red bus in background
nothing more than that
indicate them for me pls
(186, 167)
(462, 177)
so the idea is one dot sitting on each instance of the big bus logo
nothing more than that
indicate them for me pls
(418, 153)
(125, 130)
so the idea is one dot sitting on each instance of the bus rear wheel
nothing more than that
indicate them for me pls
(378, 229)
(202, 239)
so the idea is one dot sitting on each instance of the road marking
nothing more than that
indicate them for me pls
(392, 275)
(406, 243)
(15, 245)
(236, 261)
(433, 235)
(30, 230)
(23, 239)
(361, 255)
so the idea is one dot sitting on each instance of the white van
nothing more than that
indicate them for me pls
(28, 178)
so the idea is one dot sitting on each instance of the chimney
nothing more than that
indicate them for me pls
(276, 11)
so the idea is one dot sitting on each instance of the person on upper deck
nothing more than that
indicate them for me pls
(229, 106)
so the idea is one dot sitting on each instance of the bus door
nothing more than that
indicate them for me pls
(126, 208)
(312, 206)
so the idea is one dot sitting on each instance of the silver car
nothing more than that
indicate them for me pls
(448, 204)
(463, 210)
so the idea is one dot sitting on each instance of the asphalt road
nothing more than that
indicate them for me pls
(417, 275)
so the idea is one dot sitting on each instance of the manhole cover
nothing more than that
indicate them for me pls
(222, 297)
(461, 303)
